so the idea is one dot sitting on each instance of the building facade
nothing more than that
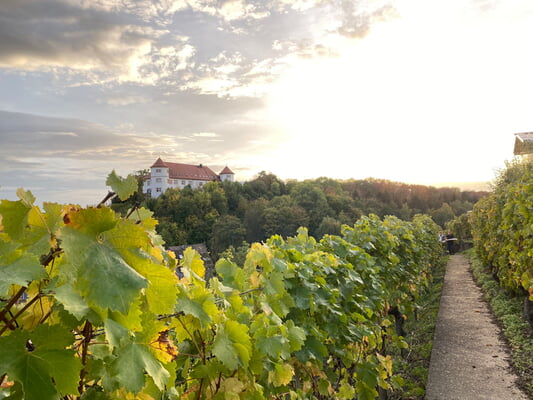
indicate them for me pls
(523, 145)
(167, 175)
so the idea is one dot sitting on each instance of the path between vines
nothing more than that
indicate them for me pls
(469, 361)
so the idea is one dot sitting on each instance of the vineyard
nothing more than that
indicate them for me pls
(93, 307)
(502, 226)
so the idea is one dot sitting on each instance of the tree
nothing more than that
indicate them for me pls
(216, 196)
(172, 233)
(443, 214)
(328, 226)
(254, 220)
(313, 201)
(227, 231)
(284, 220)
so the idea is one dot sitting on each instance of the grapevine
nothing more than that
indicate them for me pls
(91, 308)
(502, 228)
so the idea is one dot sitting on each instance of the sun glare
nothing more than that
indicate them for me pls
(383, 108)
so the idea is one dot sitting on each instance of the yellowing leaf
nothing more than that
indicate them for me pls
(386, 362)
(281, 375)
(232, 385)
(192, 265)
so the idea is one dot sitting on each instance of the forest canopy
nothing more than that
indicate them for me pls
(223, 214)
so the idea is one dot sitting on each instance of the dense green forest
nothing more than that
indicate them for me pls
(223, 214)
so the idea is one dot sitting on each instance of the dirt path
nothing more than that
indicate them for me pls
(469, 360)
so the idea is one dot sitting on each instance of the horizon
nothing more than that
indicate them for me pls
(92, 197)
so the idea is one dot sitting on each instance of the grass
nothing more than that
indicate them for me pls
(413, 367)
(507, 308)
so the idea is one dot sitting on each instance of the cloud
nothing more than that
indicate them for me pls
(206, 134)
(89, 39)
(149, 43)
(37, 135)
(357, 20)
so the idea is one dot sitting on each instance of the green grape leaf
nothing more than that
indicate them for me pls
(14, 217)
(296, 336)
(71, 301)
(232, 345)
(128, 369)
(53, 215)
(115, 332)
(40, 362)
(20, 271)
(104, 278)
(40, 236)
(230, 273)
(26, 197)
(274, 346)
(124, 188)
(197, 302)
(131, 320)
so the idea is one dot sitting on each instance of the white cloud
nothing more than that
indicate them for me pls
(238, 9)
(206, 134)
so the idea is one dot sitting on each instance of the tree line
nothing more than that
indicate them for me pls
(224, 214)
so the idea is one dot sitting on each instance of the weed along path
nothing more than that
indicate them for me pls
(469, 360)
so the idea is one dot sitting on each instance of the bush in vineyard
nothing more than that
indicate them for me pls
(502, 227)
(91, 308)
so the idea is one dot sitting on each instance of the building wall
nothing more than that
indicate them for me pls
(160, 182)
(226, 177)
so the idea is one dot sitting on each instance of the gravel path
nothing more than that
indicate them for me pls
(469, 361)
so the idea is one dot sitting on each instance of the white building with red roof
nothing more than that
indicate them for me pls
(167, 175)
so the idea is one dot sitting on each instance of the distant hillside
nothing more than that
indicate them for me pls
(223, 214)
(475, 186)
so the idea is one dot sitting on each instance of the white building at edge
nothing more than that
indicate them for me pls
(166, 175)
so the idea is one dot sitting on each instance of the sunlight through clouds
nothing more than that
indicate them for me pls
(420, 91)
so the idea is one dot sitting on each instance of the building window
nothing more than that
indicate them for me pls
(147, 183)
(183, 183)
(158, 180)
(149, 191)
(157, 170)
(158, 189)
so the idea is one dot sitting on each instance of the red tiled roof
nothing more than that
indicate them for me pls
(226, 171)
(187, 171)
(159, 163)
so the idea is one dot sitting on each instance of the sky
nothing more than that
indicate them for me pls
(416, 91)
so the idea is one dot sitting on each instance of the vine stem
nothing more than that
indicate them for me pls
(192, 337)
(13, 319)
(8, 306)
(109, 196)
(87, 335)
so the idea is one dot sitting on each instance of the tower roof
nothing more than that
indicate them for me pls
(226, 171)
(159, 163)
